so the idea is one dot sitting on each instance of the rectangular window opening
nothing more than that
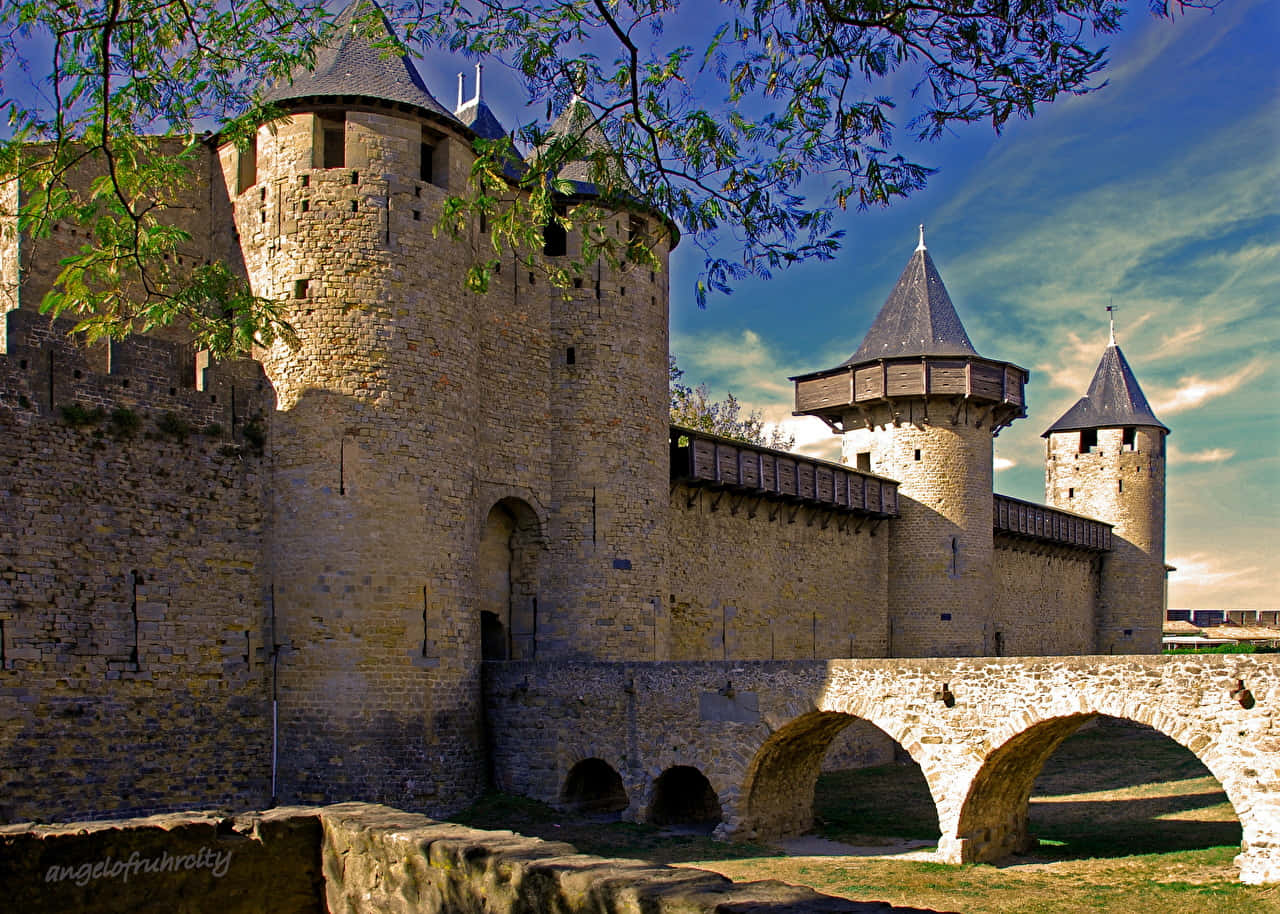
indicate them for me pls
(306, 206)
(917, 453)
(1071, 493)
(417, 215)
(1088, 440)
(484, 223)
(571, 356)
(333, 142)
(1129, 438)
(946, 617)
(864, 461)
(577, 282)
(247, 172)
(301, 288)
(1120, 485)
(426, 154)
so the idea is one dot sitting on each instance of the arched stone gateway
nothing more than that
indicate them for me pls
(507, 575)
(980, 729)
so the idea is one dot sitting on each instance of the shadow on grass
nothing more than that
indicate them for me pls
(605, 836)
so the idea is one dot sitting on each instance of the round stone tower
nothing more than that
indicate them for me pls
(606, 591)
(377, 654)
(918, 404)
(1106, 459)
(458, 476)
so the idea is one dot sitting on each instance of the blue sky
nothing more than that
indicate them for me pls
(1160, 192)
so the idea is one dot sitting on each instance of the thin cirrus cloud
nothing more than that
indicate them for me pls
(1194, 391)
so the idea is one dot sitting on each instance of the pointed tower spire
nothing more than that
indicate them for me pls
(917, 318)
(462, 83)
(351, 64)
(1114, 398)
(1111, 313)
(476, 114)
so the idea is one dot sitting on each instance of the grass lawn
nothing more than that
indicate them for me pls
(1128, 821)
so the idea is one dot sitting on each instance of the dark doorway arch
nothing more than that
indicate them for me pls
(594, 787)
(1139, 791)
(682, 795)
(507, 575)
(493, 636)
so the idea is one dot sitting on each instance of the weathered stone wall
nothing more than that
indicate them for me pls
(355, 858)
(134, 631)
(1044, 599)
(979, 728)
(1125, 486)
(765, 580)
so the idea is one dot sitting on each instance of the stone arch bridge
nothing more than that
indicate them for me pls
(980, 728)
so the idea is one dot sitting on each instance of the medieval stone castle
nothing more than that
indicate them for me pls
(223, 583)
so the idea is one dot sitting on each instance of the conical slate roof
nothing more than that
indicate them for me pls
(917, 319)
(577, 120)
(481, 119)
(349, 64)
(1114, 399)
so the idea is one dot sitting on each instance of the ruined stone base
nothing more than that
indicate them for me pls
(355, 858)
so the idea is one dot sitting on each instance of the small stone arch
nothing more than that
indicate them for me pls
(508, 575)
(780, 781)
(992, 820)
(594, 787)
(682, 795)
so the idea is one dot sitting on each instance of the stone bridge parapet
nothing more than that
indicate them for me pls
(980, 728)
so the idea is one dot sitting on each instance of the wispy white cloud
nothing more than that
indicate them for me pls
(1003, 463)
(1212, 455)
(1193, 391)
(1203, 570)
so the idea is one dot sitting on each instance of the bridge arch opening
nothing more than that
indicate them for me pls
(1097, 786)
(595, 788)
(871, 786)
(682, 795)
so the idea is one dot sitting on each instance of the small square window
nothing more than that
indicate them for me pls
(301, 288)
(417, 216)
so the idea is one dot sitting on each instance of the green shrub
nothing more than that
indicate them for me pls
(79, 416)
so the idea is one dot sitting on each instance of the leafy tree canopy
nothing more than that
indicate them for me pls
(692, 407)
(749, 123)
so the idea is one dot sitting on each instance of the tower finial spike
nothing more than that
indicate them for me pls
(462, 79)
(479, 71)
(1111, 313)
(920, 246)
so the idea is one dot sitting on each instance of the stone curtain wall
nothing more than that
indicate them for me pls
(754, 579)
(980, 729)
(133, 608)
(355, 858)
(1044, 599)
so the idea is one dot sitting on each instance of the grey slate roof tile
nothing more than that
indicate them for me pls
(917, 318)
(1114, 399)
(350, 65)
